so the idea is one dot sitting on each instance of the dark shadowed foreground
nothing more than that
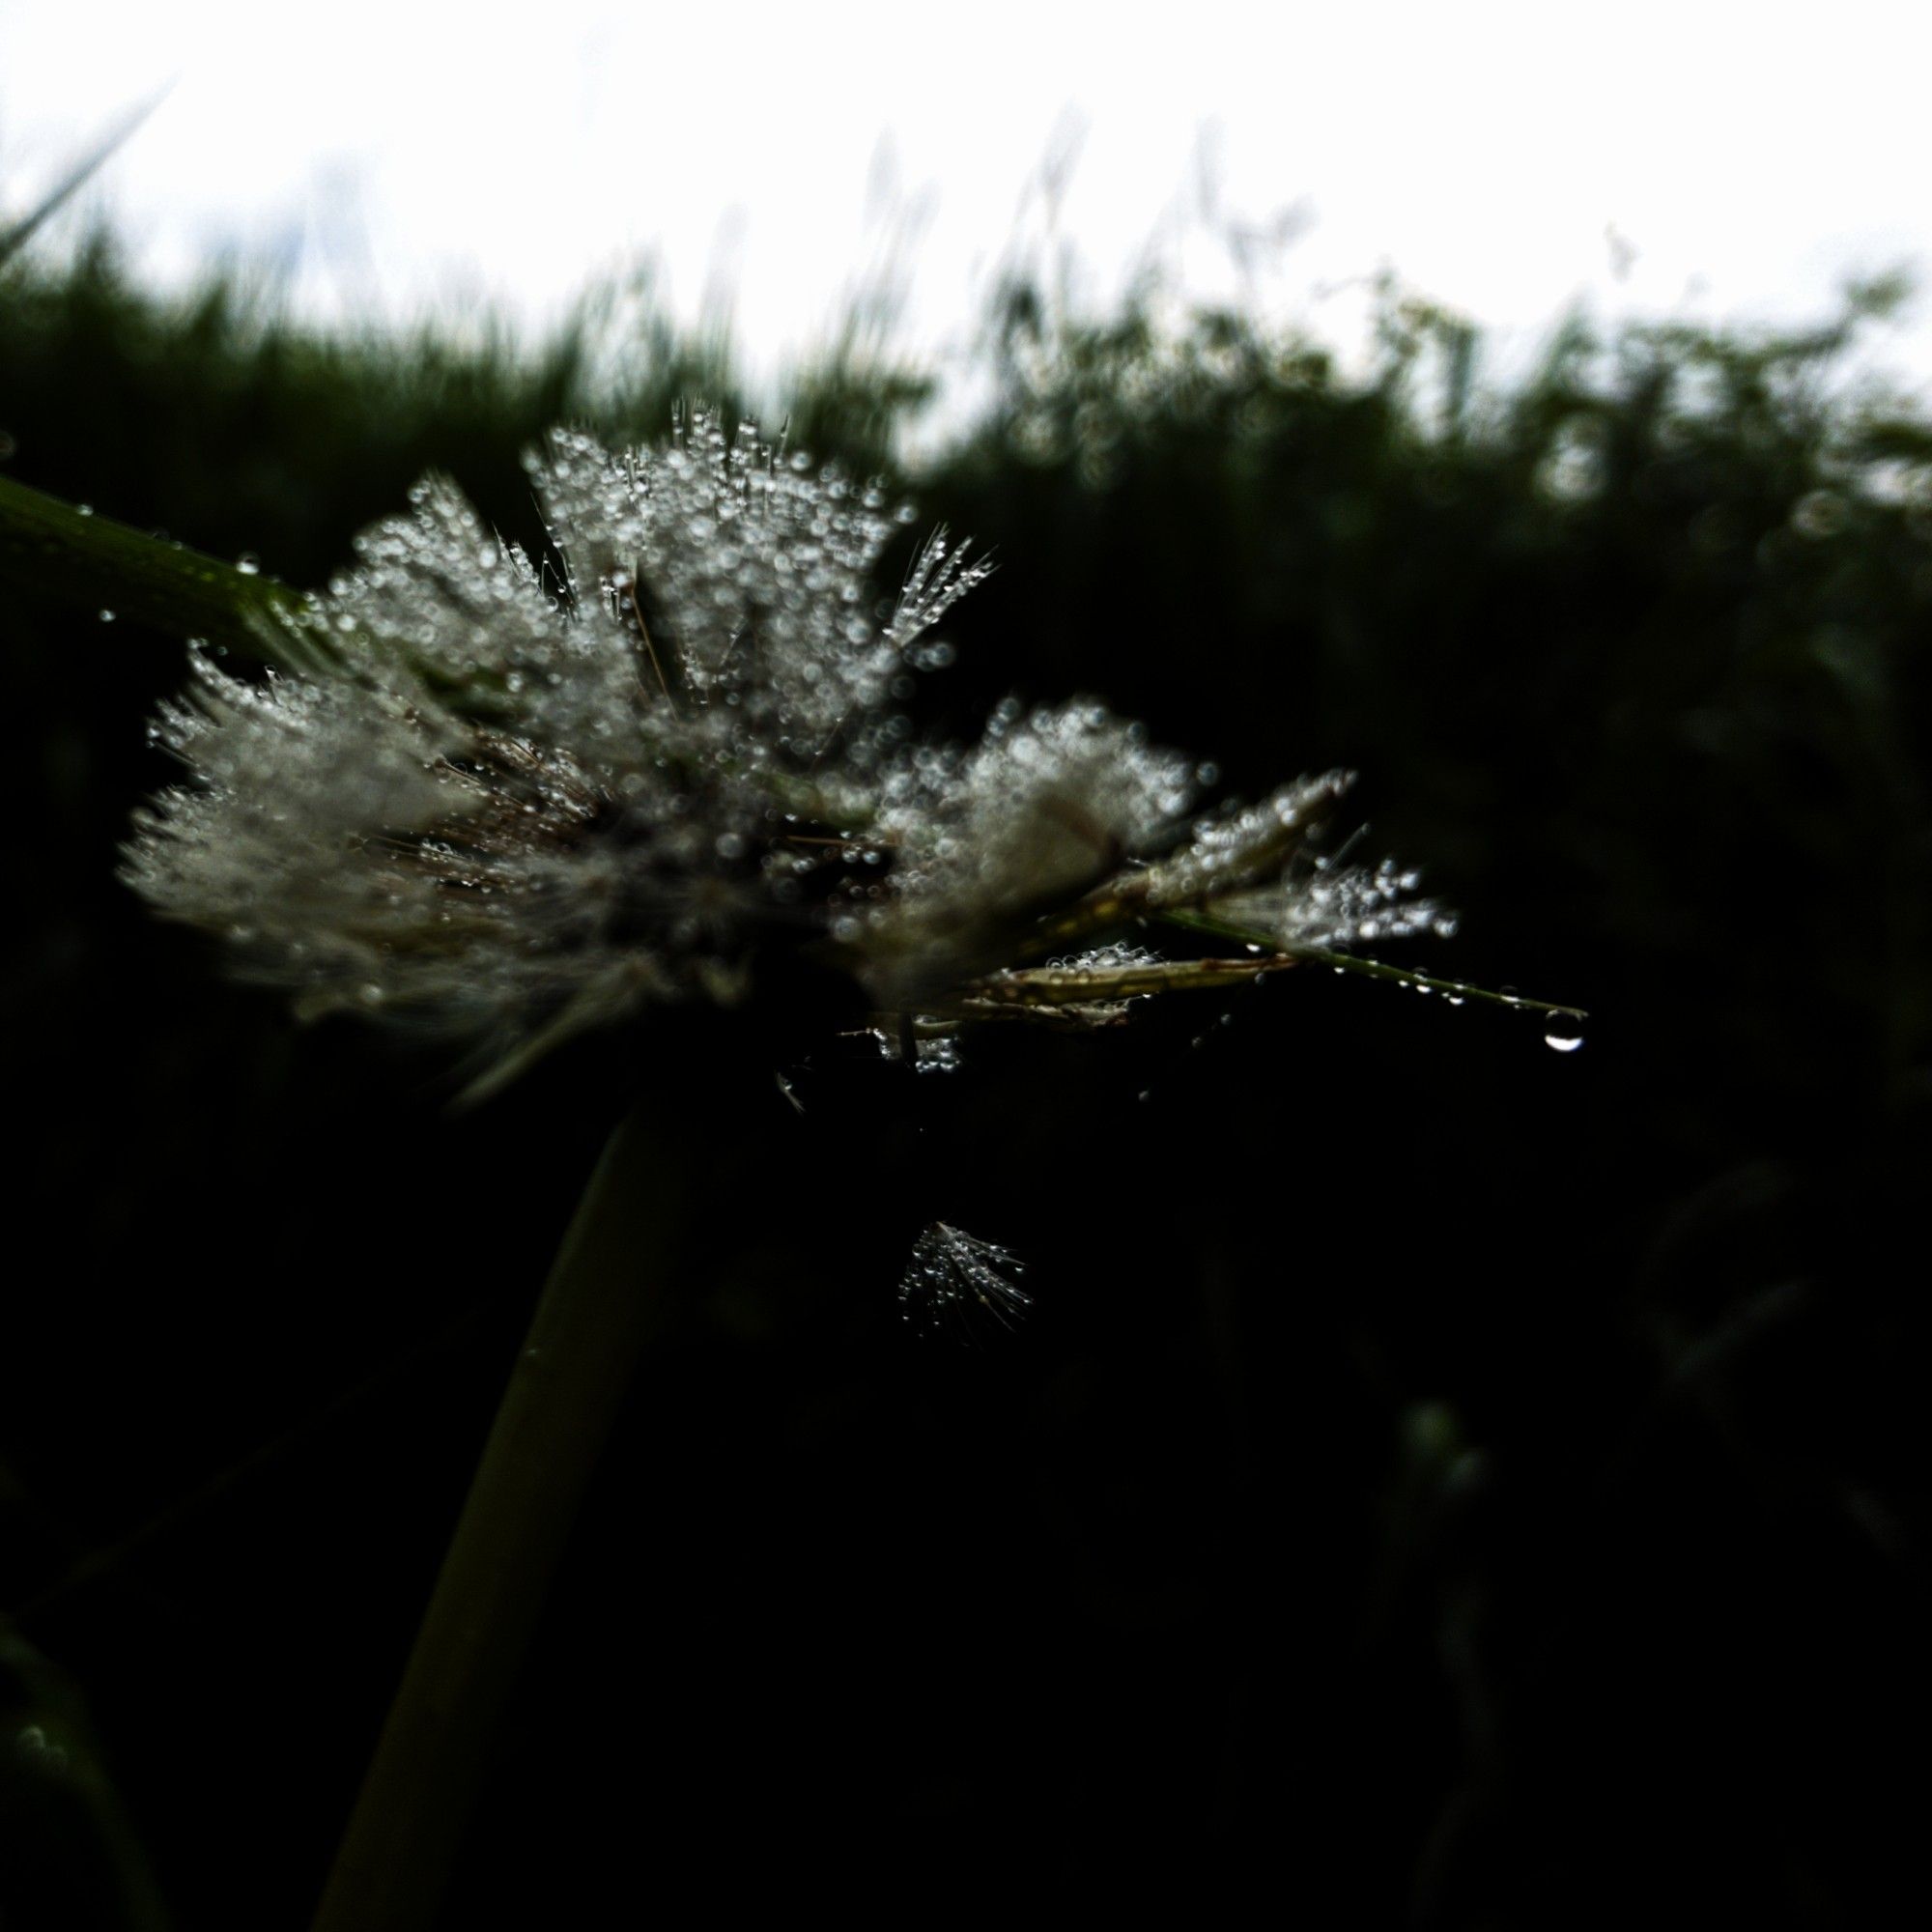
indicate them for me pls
(1443, 1480)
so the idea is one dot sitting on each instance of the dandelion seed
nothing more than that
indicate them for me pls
(960, 1285)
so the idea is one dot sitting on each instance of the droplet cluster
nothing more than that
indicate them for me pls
(1048, 805)
(1336, 907)
(963, 1287)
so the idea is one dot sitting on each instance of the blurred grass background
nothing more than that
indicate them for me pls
(1446, 1483)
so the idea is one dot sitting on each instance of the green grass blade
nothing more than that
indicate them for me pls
(16, 235)
(71, 555)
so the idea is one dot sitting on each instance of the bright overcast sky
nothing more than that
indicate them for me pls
(398, 155)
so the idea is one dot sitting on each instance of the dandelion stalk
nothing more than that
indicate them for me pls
(606, 1296)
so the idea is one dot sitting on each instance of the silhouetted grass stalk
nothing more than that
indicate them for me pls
(602, 1304)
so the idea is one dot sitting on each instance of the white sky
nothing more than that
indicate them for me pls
(394, 157)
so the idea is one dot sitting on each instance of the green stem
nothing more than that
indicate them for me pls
(58, 551)
(599, 1308)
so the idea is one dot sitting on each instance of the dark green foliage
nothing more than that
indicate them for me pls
(1446, 1481)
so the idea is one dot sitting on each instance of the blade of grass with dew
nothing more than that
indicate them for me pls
(1368, 969)
(93, 562)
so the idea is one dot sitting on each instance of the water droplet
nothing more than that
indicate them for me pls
(248, 563)
(1564, 1036)
(1822, 513)
(107, 617)
(33, 1744)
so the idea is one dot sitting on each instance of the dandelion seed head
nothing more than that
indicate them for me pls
(512, 802)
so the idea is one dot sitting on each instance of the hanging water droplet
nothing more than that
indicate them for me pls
(107, 617)
(1565, 1035)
